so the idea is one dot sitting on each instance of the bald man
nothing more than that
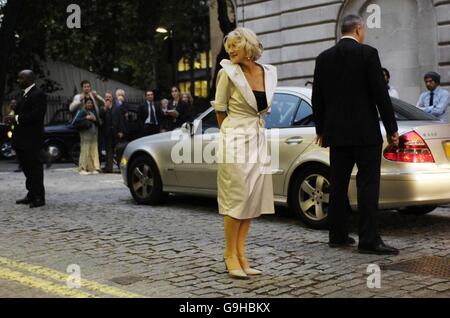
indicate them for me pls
(28, 137)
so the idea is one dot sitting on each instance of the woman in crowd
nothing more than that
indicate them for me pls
(87, 123)
(165, 126)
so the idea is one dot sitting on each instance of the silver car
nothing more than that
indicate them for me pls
(415, 177)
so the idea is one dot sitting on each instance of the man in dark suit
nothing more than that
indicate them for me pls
(28, 138)
(150, 115)
(349, 92)
(109, 135)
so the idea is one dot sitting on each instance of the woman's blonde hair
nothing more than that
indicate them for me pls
(189, 96)
(246, 39)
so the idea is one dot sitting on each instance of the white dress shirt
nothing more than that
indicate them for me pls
(151, 105)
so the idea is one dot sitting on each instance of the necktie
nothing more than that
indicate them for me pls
(152, 114)
(431, 98)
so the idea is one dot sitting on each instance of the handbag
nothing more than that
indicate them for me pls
(81, 125)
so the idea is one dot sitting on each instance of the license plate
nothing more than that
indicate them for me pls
(447, 149)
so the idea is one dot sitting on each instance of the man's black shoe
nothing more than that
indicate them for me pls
(25, 200)
(350, 241)
(37, 204)
(379, 249)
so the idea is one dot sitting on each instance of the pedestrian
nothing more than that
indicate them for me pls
(109, 140)
(348, 93)
(28, 137)
(164, 124)
(79, 99)
(387, 77)
(99, 102)
(437, 99)
(150, 115)
(244, 94)
(120, 123)
(188, 101)
(177, 109)
(87, 121)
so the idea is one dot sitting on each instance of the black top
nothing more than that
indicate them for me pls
(29, 133)
(348, 92)
(261, 100)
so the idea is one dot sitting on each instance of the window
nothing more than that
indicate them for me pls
(183, 65)
(304, 115)
(201, 88)
(185, 87)
(209, 122)
(284, 107)
(404, 112)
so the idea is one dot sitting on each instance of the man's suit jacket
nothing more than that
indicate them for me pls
(348, 92)
(143, 113)
(29, 131)
(118, 118)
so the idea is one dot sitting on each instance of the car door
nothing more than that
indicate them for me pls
(201, 172)
(293, 130)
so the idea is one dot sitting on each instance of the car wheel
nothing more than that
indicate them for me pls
(75, 153)
(53, 151)
(145, 182)
(310, 196)
(6, 150)
(418, 210)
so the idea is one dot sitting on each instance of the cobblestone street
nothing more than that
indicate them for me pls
(175, 250)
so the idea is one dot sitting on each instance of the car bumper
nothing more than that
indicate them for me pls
(402, 190)
(123, 171)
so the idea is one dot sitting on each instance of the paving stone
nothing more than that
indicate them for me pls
(177, 248)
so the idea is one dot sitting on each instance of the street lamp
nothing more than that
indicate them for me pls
(163, 30)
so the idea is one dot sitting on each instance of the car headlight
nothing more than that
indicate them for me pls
(9, 134)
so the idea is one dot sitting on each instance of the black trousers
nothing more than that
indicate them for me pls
(368, 161)
(110, 145)
(31, 164)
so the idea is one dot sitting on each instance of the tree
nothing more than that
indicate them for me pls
(114, 35)
(11, 14)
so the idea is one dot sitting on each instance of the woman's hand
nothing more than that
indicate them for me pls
(221, 117)
(91, 118)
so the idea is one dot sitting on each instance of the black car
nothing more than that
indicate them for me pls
(61, 138)
(6, 150)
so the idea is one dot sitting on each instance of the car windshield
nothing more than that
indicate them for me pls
(405, 112)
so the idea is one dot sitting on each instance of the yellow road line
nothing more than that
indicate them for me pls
(58, 276)
(46, 286)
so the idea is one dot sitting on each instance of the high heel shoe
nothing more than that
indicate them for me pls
(246, 268)
(235, 273)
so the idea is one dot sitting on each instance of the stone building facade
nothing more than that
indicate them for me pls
(414, 36)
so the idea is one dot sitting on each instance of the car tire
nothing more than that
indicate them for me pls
(54, 151)
(75, 153)
(418, 210)
(309, 196)
(6, 150)
(145, 182)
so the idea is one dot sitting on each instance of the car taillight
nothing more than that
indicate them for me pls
(412, 148)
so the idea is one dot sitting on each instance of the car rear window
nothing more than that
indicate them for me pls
(405, 111)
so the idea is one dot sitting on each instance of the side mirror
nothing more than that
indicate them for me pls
(188, 128)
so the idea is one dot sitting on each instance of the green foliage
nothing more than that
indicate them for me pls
(113, 34)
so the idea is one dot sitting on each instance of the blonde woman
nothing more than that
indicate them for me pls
(244, 95)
